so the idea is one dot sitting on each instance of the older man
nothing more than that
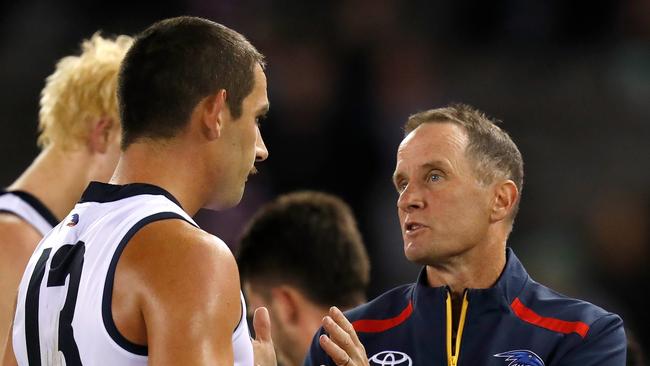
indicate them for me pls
(459, 179)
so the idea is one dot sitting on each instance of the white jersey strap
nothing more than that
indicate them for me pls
(28, 208)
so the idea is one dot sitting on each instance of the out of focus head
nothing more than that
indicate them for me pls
(78, 106)
(185, 69)
(299, 255)
(457, 174)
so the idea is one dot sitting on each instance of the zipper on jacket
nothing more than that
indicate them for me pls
(452, 355)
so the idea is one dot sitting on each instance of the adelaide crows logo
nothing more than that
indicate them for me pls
(521, 358)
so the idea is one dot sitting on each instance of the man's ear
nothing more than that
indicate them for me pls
(101, 135)
(287, 304)
(214, 112)
(505, 197)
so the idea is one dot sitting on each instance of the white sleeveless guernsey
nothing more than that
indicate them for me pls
(28, 208)
(63, 314)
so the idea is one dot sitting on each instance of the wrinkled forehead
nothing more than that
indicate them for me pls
(434, 139)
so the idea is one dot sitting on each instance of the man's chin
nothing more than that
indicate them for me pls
(414, 255)
(224, 203)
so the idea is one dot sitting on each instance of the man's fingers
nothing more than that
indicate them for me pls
(342, 343)
(336, 353)
(339, 336)
(344, 323)
(263, 343)
(262, 325)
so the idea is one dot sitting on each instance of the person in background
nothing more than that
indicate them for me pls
(299, 255)
(79, 139)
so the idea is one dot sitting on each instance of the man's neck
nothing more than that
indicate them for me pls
(57, 178)
(175, 168)
(478, 268)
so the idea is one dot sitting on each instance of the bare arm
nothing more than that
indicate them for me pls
(17, 242)
(9, 358)
(188, 293)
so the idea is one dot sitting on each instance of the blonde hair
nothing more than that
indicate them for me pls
(81, 90)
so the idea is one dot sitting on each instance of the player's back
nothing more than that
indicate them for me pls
(64, 301)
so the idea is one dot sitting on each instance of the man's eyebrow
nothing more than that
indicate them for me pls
(434, 164)
(263, 110)
(397, 176)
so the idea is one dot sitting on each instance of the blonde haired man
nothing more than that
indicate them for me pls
(79, 137)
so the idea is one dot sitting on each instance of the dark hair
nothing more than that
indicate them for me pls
(491, 148)
(309, 240)
(172, 66)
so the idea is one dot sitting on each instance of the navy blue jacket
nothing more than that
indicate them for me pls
(517, 322)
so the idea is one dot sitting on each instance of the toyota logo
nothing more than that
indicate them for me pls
(391, 358)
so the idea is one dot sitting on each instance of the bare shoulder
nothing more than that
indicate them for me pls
(177, 290)
(177, 246)
(17, 240)
(175, 263)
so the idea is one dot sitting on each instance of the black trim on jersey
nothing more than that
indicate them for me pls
(242, 316)
(104, 192)
(35, 203)
(107, 298)
(32, 336)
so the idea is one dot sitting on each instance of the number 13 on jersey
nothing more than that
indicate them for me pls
(66, 262)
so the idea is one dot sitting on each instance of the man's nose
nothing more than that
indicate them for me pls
(261, 153)
(410, 199)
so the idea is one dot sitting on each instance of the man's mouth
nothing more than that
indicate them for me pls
(411, 227)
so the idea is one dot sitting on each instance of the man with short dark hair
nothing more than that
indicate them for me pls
(299, 255)
(459, 179)
(128, 278)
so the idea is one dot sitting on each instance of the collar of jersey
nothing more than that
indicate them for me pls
(105, 192)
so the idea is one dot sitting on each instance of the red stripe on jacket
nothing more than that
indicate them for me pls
(557, 325)
(374, 326)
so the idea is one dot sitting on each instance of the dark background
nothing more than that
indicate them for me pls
(569, 79)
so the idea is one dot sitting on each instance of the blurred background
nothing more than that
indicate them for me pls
(569, 79)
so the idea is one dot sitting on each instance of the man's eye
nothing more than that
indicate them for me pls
(434, 177)
(259, 119)
(401, 186)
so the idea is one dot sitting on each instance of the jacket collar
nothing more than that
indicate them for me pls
(505, 290)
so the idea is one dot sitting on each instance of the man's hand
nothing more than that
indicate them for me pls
(263, 344)
(342, 344)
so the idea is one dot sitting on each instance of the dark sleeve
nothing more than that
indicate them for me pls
(605, 344)
(316, 356)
